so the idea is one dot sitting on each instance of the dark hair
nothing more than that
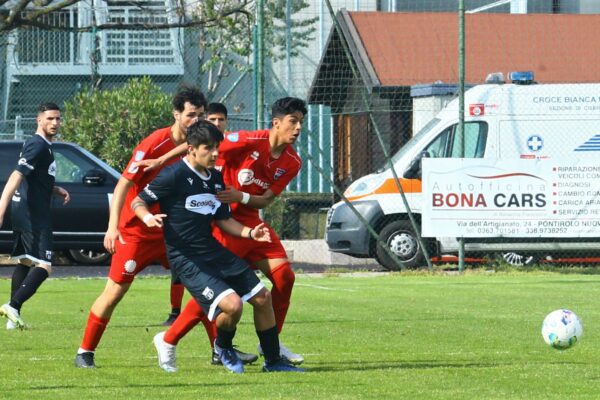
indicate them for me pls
(48, 107)
(286, 106)
(203, 132)
(189, 94)
(216, 108)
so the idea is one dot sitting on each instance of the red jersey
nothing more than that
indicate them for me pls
(153, 146)
(246, 163)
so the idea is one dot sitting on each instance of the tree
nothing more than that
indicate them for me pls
(229, 40)
(31, 13)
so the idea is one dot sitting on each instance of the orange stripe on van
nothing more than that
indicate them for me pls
(389, 187)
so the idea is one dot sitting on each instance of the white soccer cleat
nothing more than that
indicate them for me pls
(10, 325)
(13, 316)
(166, 353)
(284, 352)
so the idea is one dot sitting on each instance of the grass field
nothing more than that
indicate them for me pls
(474, 336)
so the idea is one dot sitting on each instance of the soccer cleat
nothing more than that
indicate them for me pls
(166, 353)
(170, 319)
(281, 365)
(229, 359)
(85, 360)
(245, 358)
(13, 315)
(292, 357)
(10, 325)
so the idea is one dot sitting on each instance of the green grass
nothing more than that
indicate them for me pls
(472, 336)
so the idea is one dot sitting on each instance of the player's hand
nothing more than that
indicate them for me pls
(110, 239)
(62, 193)
(261, 233)
(148, 165)
(229, 195)
(156, 221)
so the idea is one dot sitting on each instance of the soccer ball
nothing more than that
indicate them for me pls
(562, 329)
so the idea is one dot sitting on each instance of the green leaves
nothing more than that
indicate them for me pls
(109, 123)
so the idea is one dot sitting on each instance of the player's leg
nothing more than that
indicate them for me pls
(31, 248)
(177, 291)
(251, 289)
(128, 260)
(271, 259)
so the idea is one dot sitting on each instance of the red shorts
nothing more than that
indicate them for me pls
(132, 257)
(251, 250)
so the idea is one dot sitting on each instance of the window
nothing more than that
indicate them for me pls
(70, 166)
(447, 145)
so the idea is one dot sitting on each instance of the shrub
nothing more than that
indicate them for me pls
(109, 123)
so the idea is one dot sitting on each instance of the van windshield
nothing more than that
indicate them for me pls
(412, 142)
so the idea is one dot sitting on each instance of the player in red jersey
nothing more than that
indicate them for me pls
(256, 167)
(135, 246)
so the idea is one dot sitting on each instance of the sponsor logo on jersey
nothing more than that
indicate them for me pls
(204, 185)
(150, 193)
(208, 293)
(52, 169)
(48, 255)
(279, 172)
(255, 154)
(139, 155)
(23, 161)
(204, 203)
(218, 187)
(191, 181)
(246, 177)
(233, 137)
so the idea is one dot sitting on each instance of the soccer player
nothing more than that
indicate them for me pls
(216, 278)
(134, 245)
(29, 189)
(256, 166)
(216, 114)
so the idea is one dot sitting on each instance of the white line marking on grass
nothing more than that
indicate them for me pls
(324, 287)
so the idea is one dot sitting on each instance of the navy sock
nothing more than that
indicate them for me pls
(269, 342)
(224, 338)
(18, 277)
(30, 285)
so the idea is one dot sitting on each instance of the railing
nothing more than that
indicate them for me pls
(17, 129)
(36, 51)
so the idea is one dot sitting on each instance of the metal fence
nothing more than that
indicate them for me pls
(374, 74)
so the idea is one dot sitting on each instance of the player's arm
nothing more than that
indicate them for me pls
(260, 233)
(232, 195)
(14, 180)
(140, 208)
(151, 164)
(118, 198)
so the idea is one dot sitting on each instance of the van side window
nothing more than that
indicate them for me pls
(446, 145)
(70, 166)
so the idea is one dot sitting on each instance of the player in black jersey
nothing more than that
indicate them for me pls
(29, 190)
(218, 280)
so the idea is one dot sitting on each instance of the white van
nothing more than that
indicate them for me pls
(501, 121)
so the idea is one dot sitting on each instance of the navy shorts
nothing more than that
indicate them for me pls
(210, 279)
(35, 246)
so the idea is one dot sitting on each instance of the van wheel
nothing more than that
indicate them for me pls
(89, 257)
(400, 238)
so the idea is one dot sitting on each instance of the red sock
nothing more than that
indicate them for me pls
(189, 318)
(282, 277)
(177, 290)
(93, 332)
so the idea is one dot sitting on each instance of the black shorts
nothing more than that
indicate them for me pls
(211, 280)
(35, 246)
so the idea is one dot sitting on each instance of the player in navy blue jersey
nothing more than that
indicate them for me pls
(215, 277)
(29, 191)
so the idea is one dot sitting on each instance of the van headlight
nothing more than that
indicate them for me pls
(364, 185)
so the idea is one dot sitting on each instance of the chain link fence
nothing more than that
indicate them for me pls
(375, 74)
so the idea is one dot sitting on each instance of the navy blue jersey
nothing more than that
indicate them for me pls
(30, 207)
(190, 203)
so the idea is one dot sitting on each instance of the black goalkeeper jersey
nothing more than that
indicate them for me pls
(188, 199)
(30, 206)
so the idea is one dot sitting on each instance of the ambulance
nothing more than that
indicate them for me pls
(518, 120)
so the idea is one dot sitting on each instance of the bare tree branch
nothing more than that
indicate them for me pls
(15, 11)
